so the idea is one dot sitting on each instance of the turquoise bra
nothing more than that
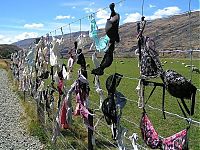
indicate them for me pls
(102, 43)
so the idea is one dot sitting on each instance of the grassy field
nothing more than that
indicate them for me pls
(165, 127)
(77, 135)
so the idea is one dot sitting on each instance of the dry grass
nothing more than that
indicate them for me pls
(3, 64)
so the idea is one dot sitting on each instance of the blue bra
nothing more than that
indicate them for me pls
(102, 43)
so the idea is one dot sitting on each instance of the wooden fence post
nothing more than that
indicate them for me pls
(90, 131)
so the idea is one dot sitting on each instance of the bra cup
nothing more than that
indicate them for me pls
(176, 141)
(149, 134)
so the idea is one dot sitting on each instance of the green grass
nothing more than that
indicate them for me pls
(165, 127)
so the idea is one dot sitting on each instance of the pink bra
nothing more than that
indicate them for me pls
(80, 108)
(82, 92)
(177, 141)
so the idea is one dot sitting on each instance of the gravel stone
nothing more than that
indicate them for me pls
(12, 133)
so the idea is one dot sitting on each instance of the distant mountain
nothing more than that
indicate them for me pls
(6, 50)
(26, 43)
(174, 32)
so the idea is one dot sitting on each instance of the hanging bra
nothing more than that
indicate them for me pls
(64, 115)
(177, 141)
(80, 108)
(109, 104)
(102, 43)
(180, 87)
(82, 92)
(149, 134)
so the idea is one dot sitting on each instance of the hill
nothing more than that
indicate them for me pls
(7, 49)
(169, 33)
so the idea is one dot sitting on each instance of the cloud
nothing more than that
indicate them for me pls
(92, 3)
(73, 7)
(168, 11)
(132, 17)
(102, 15)
(26, 35)
(76, 27)
(60, 17)
(34, 26)
(152, 6)
(120, 4)
(195, 10)
(1, 37)
(160, 13)
(8, 39)
(88, 10)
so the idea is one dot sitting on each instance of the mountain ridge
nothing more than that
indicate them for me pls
(176, 32)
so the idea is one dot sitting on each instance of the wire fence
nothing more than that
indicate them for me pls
(49, 122)
(48, 117)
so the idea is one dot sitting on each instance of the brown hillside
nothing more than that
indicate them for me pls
(172, 33)
(169, 33)
(6, 50)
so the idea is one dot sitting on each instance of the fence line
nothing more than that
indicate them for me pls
(180, 51)
(170, 113)
(41, 114)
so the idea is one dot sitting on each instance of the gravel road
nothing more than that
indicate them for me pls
(13, 136)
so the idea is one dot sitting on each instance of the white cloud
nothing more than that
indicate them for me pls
(160, 13)
(102, 15)
(152, 6)
(76, 27)
(26, 35)
(34, 26)
(88, 10)
(132, 17)
(73, 7)
(60, 17)
(73, 17)
(8, 39)
(1, 37)
(92, 3)
(5, 40)
(101, 21)
(195, 10)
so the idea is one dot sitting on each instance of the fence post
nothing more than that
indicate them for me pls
(90, 131)
(24, 95)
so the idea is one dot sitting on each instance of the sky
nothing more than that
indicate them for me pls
(21, 19)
